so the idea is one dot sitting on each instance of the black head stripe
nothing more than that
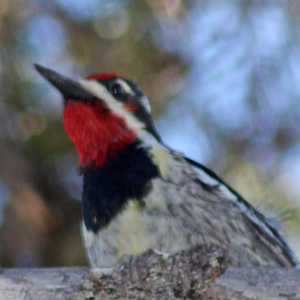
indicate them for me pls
(146, 118)
(141, 113)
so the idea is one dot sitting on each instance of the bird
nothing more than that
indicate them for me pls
(139, 194)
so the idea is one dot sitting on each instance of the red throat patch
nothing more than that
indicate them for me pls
(97, 133)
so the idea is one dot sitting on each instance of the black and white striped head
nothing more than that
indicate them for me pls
(103, 113)
(124, 97)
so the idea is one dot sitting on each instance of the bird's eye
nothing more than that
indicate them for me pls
(117, 89)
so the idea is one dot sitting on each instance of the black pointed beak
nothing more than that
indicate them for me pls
(71, 90)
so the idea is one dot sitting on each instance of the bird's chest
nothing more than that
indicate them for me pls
(137, 228)
(108, 189)
(113, 203)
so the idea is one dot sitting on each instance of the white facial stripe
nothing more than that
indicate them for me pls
(101, 92)
(146, 104)
(125, 86)
(144, 101)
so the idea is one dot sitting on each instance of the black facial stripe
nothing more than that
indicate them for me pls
(108, 189)
(141, 113)
(109, 83)
(107, 80)
(146, 118)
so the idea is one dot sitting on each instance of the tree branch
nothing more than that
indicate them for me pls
(257, 283)
(192, 274)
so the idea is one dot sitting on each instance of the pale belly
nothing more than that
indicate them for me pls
(135, 231)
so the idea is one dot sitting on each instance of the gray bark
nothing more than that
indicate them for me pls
(269, 283)
(192, 274)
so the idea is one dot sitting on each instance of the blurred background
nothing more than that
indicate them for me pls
(224, 79)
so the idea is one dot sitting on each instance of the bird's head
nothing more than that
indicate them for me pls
(103, 114)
